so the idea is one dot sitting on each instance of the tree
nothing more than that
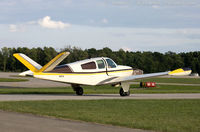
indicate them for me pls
(1, 61)
(147, 61)
(5, 54)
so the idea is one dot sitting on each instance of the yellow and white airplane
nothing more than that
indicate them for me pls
(94, 71)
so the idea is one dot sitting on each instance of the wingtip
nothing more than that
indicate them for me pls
(180, 71)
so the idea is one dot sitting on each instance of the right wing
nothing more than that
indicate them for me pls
(131, 78)
(134, 77)
(176, 72)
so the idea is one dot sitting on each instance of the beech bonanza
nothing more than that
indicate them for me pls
(94, 71)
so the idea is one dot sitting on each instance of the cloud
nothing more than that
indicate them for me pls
(12, 28)
(46, 22)
(16, 28)
(105, 21)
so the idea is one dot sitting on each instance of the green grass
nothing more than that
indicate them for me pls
(167, 89)
(158, 115)
(105, 89)
(171, 80)
(12, 80)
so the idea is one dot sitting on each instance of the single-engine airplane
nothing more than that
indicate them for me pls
(94, 71)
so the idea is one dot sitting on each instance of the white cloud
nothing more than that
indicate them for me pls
(12, 28)
(129, 39)
(105, 21)
(46, 22)
(16, 28)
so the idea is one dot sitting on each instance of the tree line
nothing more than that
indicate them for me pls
(149, 62)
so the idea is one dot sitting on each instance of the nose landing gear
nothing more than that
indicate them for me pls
(122, 93)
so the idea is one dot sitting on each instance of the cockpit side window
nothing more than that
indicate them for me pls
(111, 64)
(61, 69)
(89, 65)
(100, 64)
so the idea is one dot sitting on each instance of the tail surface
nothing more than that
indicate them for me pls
(28, 62)
(54, 62)
(35, 67)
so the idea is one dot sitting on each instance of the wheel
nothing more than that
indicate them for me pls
(122, 93)
(127, 93)
(79, 91)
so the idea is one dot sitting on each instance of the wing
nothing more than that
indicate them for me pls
(134, 77)
(131, 78)
(176, 72)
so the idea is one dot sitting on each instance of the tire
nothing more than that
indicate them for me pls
(79, 91)
(122, 93)
(127, 93)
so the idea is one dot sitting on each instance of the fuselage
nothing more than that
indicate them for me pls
(94, 71)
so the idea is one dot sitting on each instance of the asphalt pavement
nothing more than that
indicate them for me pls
(25, 97)
(17, 122)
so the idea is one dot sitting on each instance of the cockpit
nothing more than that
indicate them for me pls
(95, 64)
(99, 63)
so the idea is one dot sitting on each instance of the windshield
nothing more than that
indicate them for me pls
(110, 63)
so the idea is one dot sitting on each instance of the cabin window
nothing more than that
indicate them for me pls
(100, 64)
(61, 69)
(89, 65)
(110, 63)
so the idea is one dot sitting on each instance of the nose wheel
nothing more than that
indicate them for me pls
(122, 93)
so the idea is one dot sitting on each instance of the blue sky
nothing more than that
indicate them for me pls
(135, 25)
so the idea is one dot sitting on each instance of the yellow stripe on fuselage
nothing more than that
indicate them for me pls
(42, 73)
(26, 63)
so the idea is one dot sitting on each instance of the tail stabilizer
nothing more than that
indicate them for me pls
(26, 73)
(54, 62)
(35, 67)
(28, 62)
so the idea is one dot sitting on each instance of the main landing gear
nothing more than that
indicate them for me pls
(78, 89)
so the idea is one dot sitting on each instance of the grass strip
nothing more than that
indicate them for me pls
(12, 80)
(105, 89)
(158, 115)
(171, 80)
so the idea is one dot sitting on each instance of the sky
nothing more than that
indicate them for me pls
(132, 25)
